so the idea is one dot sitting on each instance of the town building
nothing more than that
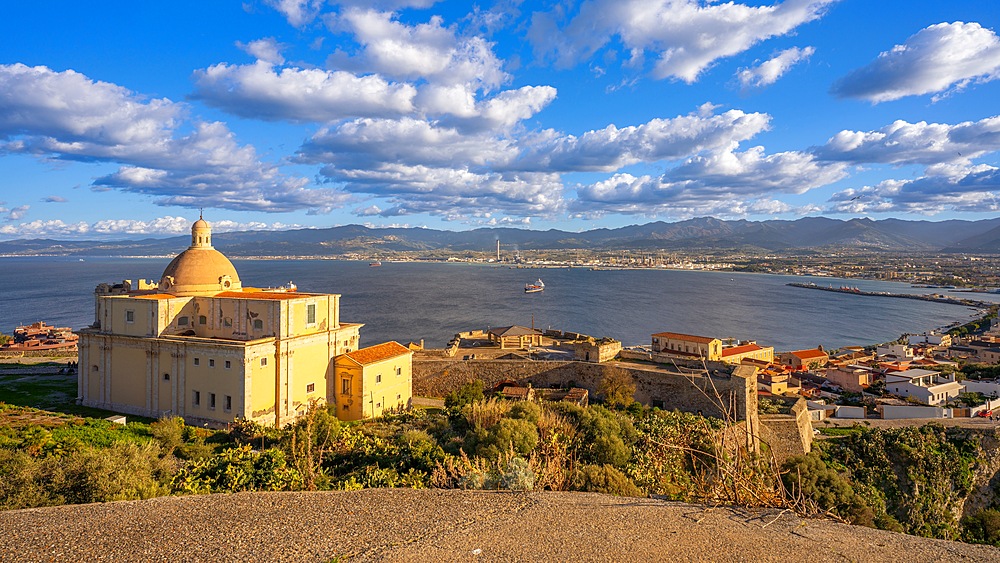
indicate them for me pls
(852, 378)
(930, 338)
(926, 386)
(687, 345)
(804, 359)
(747, 351)
(202, 346)
(373, 380)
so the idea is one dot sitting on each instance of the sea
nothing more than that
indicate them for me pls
(410, 301)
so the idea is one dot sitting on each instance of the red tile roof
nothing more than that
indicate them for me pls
(379, 352)
(735, 350)
(807, 354)
(687, 337)
(155, 296)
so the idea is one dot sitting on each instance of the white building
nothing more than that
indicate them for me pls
(931, 338)
(929, 387)
(895, 352)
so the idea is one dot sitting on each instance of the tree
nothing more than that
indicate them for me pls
(471, 392)
(617, 387)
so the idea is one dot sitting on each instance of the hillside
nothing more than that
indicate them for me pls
(436, 525)
(700, 233)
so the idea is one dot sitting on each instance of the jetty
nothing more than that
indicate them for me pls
(935, 298)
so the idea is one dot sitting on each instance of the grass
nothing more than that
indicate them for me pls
(48, 392)
(839, 430)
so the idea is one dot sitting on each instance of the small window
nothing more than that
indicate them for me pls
(345, 386)
(229, 364)
(310, 388)
(227, 322)
(378, 405)
(94, 368)
(399, 371)
(202, 319)
(197, 398)
(166, 377)
(311, 314)
(258, 324)
(211, 400)
(130, 316)
(211, 363)
(197, 361)
(229, 403)
(378, 378)
(345, 407)
(398, 397)
(182, 321)
(263, 361)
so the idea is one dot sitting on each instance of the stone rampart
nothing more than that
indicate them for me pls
(721, 397)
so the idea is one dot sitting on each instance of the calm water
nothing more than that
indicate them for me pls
(410, 301)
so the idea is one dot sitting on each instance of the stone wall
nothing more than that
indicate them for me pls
(788, 434)
(711, 396)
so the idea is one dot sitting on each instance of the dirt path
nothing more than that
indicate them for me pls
(436, 525)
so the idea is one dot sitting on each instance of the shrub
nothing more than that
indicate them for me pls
(526, 410)
(603, 479)
(169, 432)
(510, 434)
(606, 437)
(982, 527)
(471, 392)
(617, 387)
(809, 477)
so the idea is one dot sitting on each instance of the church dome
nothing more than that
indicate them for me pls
(201, 269)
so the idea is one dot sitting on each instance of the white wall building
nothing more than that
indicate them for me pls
(929, 387)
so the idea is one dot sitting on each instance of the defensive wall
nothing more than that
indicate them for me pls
(728, 397)
(788, 433)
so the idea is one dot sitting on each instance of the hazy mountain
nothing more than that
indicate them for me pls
(699, 233)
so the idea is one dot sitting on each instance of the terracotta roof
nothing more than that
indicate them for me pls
(377, 353)
(806, 354)
(740, 349)
(278, 295)
(155, 296)
(688, 337)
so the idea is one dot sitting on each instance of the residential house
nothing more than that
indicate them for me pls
(688, 345)
(929, 387)
(805, 359)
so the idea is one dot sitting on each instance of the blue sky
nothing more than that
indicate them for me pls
(272, 114)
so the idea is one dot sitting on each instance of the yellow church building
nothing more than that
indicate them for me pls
(202, 346)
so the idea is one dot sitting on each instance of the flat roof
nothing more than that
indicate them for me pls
(688, 337)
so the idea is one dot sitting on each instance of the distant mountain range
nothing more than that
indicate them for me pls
(702, 233)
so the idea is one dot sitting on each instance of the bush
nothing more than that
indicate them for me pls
(510, 434)
(982, 527)
(169, 432)
(603, 479)
(606, 437)
(471, 392)
(808, 476)
(617, 387)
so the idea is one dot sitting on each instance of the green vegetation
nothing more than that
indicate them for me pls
(910, 479)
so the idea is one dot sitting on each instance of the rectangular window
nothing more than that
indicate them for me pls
(229, 403)
(310, 388)
(258, 324)
(311, 314)
(211, 400)
(130, 316)
(211, 363)
(345, 386)
(378, 378)
(196, 400)
(228, 364)
(227, 322)
(182, 321)
(202, 319)
(197, 361)
(166, 377)
(263, 361)
(399, 371)
(398, 397)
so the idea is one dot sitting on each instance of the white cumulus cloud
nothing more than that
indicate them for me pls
(937, 58)
(267, 49)
(684, 37)
(769, 71)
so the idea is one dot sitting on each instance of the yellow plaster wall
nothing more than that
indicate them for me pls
(128, 376)
(208, 379)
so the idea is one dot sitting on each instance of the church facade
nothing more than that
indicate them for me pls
(202, 346)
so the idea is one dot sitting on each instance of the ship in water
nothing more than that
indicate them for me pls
(374, 264)
(534, 287)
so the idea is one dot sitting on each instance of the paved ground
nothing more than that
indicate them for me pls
(434, 525)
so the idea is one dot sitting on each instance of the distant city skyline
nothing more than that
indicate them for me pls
(127, 118)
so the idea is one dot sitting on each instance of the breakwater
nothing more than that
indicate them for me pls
(935, 298)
